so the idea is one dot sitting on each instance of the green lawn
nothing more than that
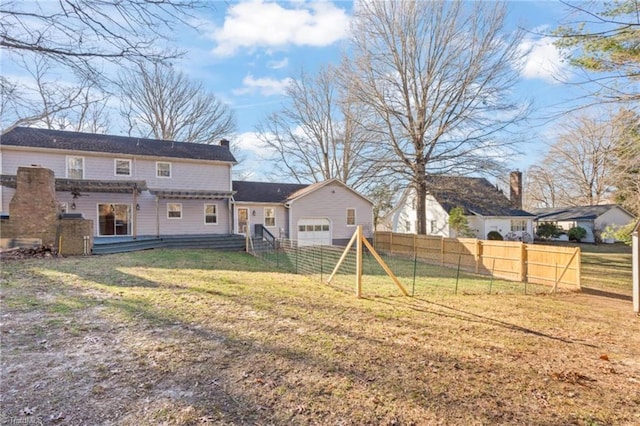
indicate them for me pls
(195, 337)
(606, 267)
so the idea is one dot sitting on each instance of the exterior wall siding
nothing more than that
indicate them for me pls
(281, 228)
(331, 202)
(615, 216)
(185, 174)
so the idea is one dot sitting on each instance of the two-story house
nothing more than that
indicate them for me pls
(127, 186)
(134, 187)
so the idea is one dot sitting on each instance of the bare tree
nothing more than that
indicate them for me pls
(579, 167)
(540, 188)
(318, 135)
(80, 33)
(438, 77)
(160, 102)
(626, 170)
(41, 99)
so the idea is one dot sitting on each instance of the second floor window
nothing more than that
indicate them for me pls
(75, 167)
(163, 169)
(351, 217)
(122, 167)
(269, 216)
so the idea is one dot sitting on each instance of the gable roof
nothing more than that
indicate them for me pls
(264, 192)
(477, 196)
(315, 186)
(122, 145)
(560, 214)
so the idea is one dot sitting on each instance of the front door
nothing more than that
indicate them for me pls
(243, 220)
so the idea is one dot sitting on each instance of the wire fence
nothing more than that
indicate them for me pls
(418, 277)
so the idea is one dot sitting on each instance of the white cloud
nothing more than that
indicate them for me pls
(258, 24)
(543, 61)
(276, 65)
(248, 142)
(265, 86)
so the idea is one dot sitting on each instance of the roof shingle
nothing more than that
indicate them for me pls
(474, 195)
(123, 145)
(265, 192)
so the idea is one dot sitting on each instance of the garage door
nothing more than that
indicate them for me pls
(314, 232)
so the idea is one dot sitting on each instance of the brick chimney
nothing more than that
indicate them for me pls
(515, 185)
(33, 210)
(224, 142)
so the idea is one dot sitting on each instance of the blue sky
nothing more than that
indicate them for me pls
(246, 53)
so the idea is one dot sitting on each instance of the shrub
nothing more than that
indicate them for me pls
(459, 223)
(619, 233)
(577, 233)
(495, 236)
(547, 230)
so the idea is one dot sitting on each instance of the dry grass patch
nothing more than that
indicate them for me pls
(192, 337)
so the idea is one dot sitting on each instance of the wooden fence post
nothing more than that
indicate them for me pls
(477, 255)
(523, 262)
(441, 251)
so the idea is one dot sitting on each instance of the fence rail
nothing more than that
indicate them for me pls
(558, 267)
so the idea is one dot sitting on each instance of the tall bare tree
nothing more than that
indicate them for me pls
(626, 170)
(319, 135)
(160, 102)
(80, 33)
(438, 77)
(42, 99)
(541, 190)
(580, 165)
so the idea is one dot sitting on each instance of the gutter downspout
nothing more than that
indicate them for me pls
(157, 217)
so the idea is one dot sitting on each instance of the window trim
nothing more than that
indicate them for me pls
(115, 167)
(175, 217)
(67, 158)
(355, 216)
(523, 222)
(170, 170)
(265, 217)
(215, 214)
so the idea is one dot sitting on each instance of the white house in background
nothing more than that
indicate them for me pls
(486, 208)
(321, 213)
(591, 218)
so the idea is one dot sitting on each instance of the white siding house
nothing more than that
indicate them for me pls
(593, 219)
(486, 208)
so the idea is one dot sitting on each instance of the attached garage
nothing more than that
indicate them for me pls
(315, 231)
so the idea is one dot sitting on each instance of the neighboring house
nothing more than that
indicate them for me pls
(486, 208)
(593, 219)
(321, 213)
(134, 187)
